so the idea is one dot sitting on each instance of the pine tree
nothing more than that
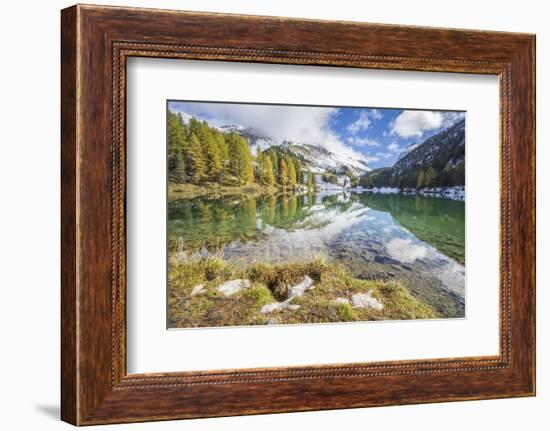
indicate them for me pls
(459, 177)
(178, 171)
(247, 169)
(283, 173)
(274, 161)
(446, 178)
(420, 180)
(195, 164)
(291, 172)
(269, 178)
(233, 159)
(299, 172)
(240, 159)
(176, 146)
(310, 180)
(401, 183)
(195, 127)
(430, 177)
(221, 145)
(260, 165)
(212, 155)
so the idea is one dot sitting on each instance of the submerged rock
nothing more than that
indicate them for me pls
(385, 260)
(233, 286)
(366, 300)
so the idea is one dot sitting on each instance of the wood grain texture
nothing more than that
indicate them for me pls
(69, 397)
(96, 41)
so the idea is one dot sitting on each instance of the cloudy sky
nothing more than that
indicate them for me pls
(376, 135)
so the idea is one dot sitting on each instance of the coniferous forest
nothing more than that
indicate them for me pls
(438, 162)
(200, 154)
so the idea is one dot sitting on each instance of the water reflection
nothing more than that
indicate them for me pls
(419, 240)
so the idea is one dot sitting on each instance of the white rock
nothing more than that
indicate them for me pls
(365, 300)
(268, 308)
(293, 292)
(233, 286)
(199, 288)
(300, 288)
(342, 300)
(277, 306)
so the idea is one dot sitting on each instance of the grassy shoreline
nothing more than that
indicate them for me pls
(270, 284)
(214, 190)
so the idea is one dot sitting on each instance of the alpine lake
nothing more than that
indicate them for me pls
(415, 239)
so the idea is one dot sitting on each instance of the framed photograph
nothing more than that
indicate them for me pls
(264, 215)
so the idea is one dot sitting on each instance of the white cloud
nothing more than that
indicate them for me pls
(415, 123)
(394, 147)
(362, 142)
(383, 155)
(364, 121)
(303, 124)
(372, 158)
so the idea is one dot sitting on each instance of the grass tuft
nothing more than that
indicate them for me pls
(260, 294)
(278, 278)
(270, 283)
(345, 312)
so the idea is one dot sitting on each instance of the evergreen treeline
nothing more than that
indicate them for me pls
(422, 177)
(437, 162)
(199, 154)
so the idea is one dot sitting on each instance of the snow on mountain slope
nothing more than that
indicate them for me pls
(254, 137)
(408, 150)
(315, 157)
(319, 159)
(444, 148)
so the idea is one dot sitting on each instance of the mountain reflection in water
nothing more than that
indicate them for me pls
(417, 239)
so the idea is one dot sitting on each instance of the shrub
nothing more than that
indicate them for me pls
(261, 295)
(213, 267)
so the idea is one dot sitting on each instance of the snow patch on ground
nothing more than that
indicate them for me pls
(366, 300)
(384, 190)
(233, 286)
(457, 193)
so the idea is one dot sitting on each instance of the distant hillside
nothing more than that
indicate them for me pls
(438, 161)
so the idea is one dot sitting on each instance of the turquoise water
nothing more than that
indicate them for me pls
(418, 240)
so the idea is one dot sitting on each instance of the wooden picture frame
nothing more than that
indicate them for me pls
(96, 41)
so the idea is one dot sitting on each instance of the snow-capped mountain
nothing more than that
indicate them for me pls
(408, 150)
(254, 137)
(442, 155)
(444, 148)
(319, 159)
(315, 157)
